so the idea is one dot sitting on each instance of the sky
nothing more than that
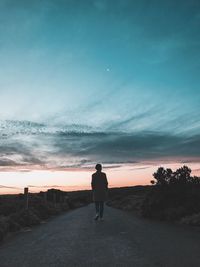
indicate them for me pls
(81, 82)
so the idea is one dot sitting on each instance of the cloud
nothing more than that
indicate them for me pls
(7, 162)
(61, 149)
(8, 187)
(44, 186)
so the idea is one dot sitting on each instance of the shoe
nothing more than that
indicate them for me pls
(96, 217)
(101, 219)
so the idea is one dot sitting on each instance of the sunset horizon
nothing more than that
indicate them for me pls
(80, 179)
(86, 82)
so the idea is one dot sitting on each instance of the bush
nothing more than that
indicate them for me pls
(25, 218)
(181, 176)
(174, 195)
(13, 226)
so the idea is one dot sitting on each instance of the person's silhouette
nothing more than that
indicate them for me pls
(99, 187)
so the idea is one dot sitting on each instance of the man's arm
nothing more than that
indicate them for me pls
(92, 183)
(106, 182)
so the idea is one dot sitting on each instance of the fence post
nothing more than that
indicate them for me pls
(26, 197)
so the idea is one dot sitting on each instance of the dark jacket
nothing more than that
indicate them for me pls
(99, 186)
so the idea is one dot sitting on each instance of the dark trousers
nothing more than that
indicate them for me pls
(99, 205)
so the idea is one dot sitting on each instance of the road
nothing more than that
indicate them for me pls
(122, 239)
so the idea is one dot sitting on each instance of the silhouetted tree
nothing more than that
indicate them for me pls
(181, 176)
(163, 176)
(196, 180)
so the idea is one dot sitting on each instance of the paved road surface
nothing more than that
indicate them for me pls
(75, 239)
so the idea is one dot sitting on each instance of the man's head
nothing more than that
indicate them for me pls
(98, 167)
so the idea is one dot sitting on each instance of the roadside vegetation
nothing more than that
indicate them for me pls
(173, 196)
(15, 215)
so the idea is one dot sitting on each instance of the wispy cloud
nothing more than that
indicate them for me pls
(60, 149)
(8, 187)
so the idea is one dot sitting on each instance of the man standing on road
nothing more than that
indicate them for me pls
(99, 187)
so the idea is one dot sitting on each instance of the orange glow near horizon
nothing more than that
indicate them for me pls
(78, 179)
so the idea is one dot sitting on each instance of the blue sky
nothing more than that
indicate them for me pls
(108, 81)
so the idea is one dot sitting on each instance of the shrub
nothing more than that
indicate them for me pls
(181, 176)
(174, 195)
